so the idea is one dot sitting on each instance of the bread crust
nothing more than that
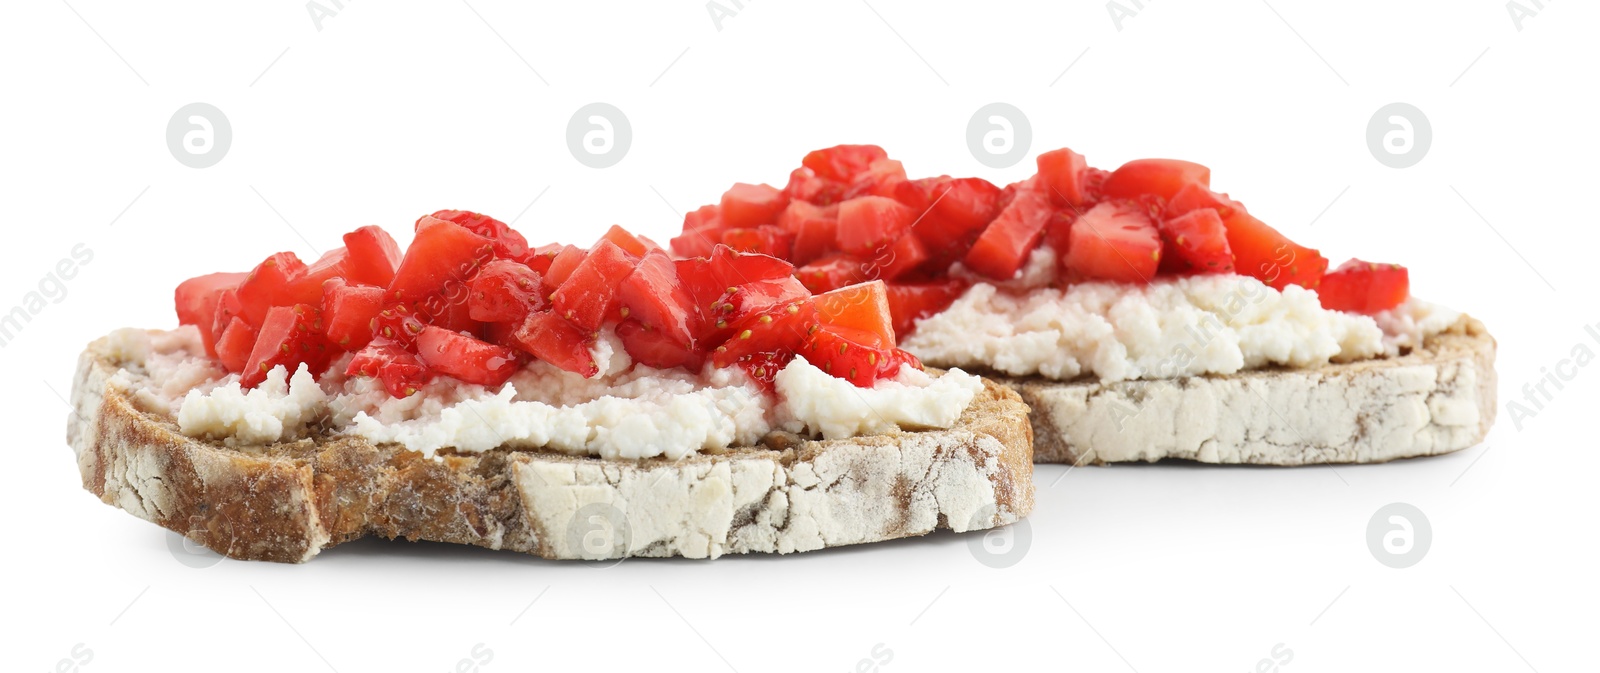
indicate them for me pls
(1437, 398)
(287, 502)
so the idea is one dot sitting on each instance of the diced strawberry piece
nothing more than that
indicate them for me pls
(833, 272)
(864, 306)
(591, 291)
(952, 212)
(373, 256)
(702, 228)
(400, 371)
(1194, 195)
(562, 266)
(1005, 244)
(1198, 241)
(289, 336)
(806, 185)
(235, 343)
(708, 278)
(508, 244)
(746, 206)
(1062, 174)
(773, 327)
(881, 178)
(557, 341)
(464, 357)
(272, 283)
(228, 307)
(656, 348)
(897, 259)
(739, 305)
(633, 245)
(842, 163)
(763, 368)
(910, 302)
(348, 312)
(1261, 252)
(442, 258)
(868, 222)
(703, 217)
(815, 228)
(654, 297)
(1114, 242)
(329, 266)
(1365, 287)
(859, 357)
(765, 240)
(196, 301)
(1161, 178)
(505, 291)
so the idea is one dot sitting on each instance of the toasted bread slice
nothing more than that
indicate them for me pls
(286, 502)
(1435, 399)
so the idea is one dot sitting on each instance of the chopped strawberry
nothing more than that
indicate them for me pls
(763, 368)
(656, 348)
(1161, 178)
(464, 357)
(832, 272)
(815, 228)
(1062, 174)
(235, 343)
(708, 278)
(1194, 195)
(633, 245)
(857, 356)
(442, 258)
(881, 178)
(1114, 242)
(1261, 252)
(911, 302)
(806, 185)
(1198, 241)
(289, 336)
(869, 222)
(228, 308)
(397, 324)
(508, 244)
(842, 163)
(739, 305)
(1005, 244)
(864, 307)
(329, 266)
(272, 283)
(400, 371)
(505, 291)
(196, 300)
(348, 312)
(562, 266)
(541, 258)
(373, 256)
(1365, 287)
(773, 327)
(557, 341)
(591, 291)
(897, 259)
(656, 298)
(766, 239)
(702, 228)
(747, 206)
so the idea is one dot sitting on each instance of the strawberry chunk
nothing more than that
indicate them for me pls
(235, 343)
(702, 228)
(806, 185)
(860, 357)
(1160, 178)
(813, 227)
(590, 293)
(555, 340)
(1114, 242)
(763, 368)
(1365, 287)
(1061, 173)
(508, 244)
(400, 371)
(773, 327)
(655, 298)
(289, 336)
(1198, 241)
(273, 283)
(196, 300)
(1194, 196)
(505, 291)
(656, 348)
(842, 163)
(633, 245)
(863, 307)
(562, 266)
(868, 222)
(881, 178)
(833, 272)
(897, 259)
(373, 256)
(1005, 244)
(442, 258)
(747, 206)
(766, 239)
(464, 357)
(397, 324)
(1261, 252)
(348, 312)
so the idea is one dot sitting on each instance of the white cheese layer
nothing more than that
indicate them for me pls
(1217, 324)
(816, 402)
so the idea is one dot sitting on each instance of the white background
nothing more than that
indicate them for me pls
(392, 110)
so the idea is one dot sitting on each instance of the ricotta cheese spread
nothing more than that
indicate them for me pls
(627, 411)
(1195, 325)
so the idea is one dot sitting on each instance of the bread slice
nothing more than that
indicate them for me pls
(286, 502)
(1435, 399)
